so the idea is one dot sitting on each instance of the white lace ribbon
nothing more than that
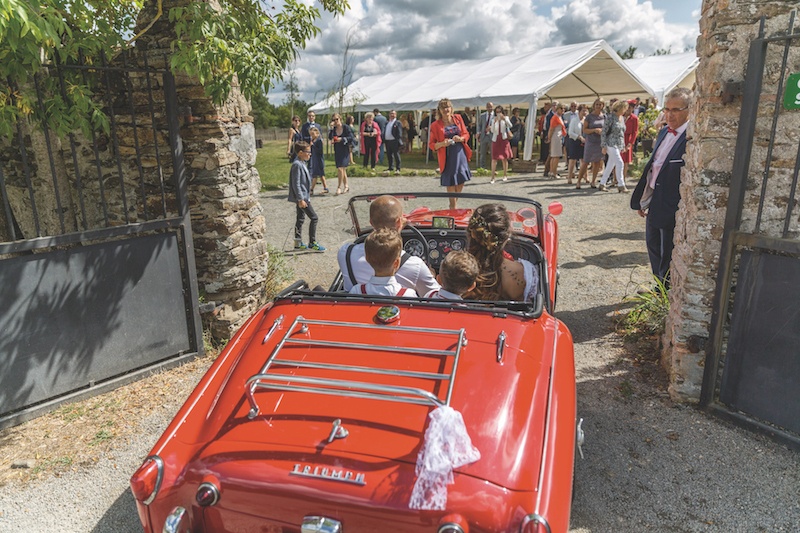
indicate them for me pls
(447, 446)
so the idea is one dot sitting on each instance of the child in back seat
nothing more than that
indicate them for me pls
(457, 275)
(382, 250)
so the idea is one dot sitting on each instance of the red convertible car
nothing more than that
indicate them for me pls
(335, 412)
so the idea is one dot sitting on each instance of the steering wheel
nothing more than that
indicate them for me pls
(426, 250)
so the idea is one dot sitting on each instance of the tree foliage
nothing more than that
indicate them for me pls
(630, 53)
(33, 34)
(218, 42)
(268, 115)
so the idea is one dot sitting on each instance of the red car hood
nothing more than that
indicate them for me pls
(503, 403)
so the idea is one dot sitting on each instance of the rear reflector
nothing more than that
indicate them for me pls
(207, 494)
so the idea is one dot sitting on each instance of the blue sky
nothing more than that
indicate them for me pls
(393, 35)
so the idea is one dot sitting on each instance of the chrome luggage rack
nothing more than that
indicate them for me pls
(352, 387)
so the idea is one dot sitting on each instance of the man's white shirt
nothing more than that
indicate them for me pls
(413, 273)
(388, 133)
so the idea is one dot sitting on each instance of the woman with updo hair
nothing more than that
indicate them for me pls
(501, 276)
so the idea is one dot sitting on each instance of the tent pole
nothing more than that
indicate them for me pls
(530, 127)
(417, 118)
(428, 136)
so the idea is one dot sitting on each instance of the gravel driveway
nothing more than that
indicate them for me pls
(650, 465)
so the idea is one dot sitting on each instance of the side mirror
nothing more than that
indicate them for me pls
(555, 208)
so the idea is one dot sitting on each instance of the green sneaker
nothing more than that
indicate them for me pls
(299, 245)
(317, 247)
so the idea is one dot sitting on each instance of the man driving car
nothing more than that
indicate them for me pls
(385, 212)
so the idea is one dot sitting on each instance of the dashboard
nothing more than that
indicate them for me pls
(440, 242)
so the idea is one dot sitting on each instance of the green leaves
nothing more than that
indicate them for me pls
(244, 41)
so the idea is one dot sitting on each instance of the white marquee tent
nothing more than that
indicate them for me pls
(580, 72)
(664, 73)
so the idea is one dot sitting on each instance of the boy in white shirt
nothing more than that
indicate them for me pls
(457, 275)
(382, 250)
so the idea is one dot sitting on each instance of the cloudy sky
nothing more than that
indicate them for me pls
(393, 35)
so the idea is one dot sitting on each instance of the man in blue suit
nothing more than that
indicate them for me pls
(657, 194)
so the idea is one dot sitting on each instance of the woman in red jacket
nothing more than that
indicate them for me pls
(448, 137)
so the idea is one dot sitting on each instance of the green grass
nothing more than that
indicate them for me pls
(649, 313)
(273, 166)
(100, 437)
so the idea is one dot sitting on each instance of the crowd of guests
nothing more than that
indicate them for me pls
(600, 138)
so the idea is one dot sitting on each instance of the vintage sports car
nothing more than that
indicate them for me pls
(335, 412)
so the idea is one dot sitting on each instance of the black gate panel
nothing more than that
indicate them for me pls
(74, 317)
(752, 365)
(762, 370)
(97, 271)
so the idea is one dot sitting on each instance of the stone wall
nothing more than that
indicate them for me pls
(726, 29)
(227, 219)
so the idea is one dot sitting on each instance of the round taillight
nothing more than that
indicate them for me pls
(207, 494)
(533, 523)
(453, 523)
(146, 481)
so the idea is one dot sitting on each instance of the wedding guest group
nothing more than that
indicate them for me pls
(587, 136)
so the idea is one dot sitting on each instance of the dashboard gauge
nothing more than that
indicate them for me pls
(434, 255)
(457, 245)
(414, 247)
(432, 244)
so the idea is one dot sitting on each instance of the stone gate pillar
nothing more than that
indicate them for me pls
(726, 29)
(227, 220)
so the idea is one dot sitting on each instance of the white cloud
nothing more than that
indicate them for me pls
(392, 35)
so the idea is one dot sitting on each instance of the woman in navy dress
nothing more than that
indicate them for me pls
(342, 137)
(317, 162)
(448, 137)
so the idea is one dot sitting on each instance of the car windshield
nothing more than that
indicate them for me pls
(432, 210)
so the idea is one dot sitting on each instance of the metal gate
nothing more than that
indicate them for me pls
(97, 271)
(752, 368)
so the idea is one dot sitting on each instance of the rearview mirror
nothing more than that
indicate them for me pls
(555, 208)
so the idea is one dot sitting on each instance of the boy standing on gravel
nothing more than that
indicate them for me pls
(300, 194)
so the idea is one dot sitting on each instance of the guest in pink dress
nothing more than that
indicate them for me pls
(501, 141)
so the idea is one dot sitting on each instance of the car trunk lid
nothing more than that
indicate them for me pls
(503, 402)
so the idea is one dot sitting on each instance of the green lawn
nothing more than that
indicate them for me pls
(273, 166)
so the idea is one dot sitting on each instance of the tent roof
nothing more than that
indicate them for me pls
(663, 73)
(580, 72)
